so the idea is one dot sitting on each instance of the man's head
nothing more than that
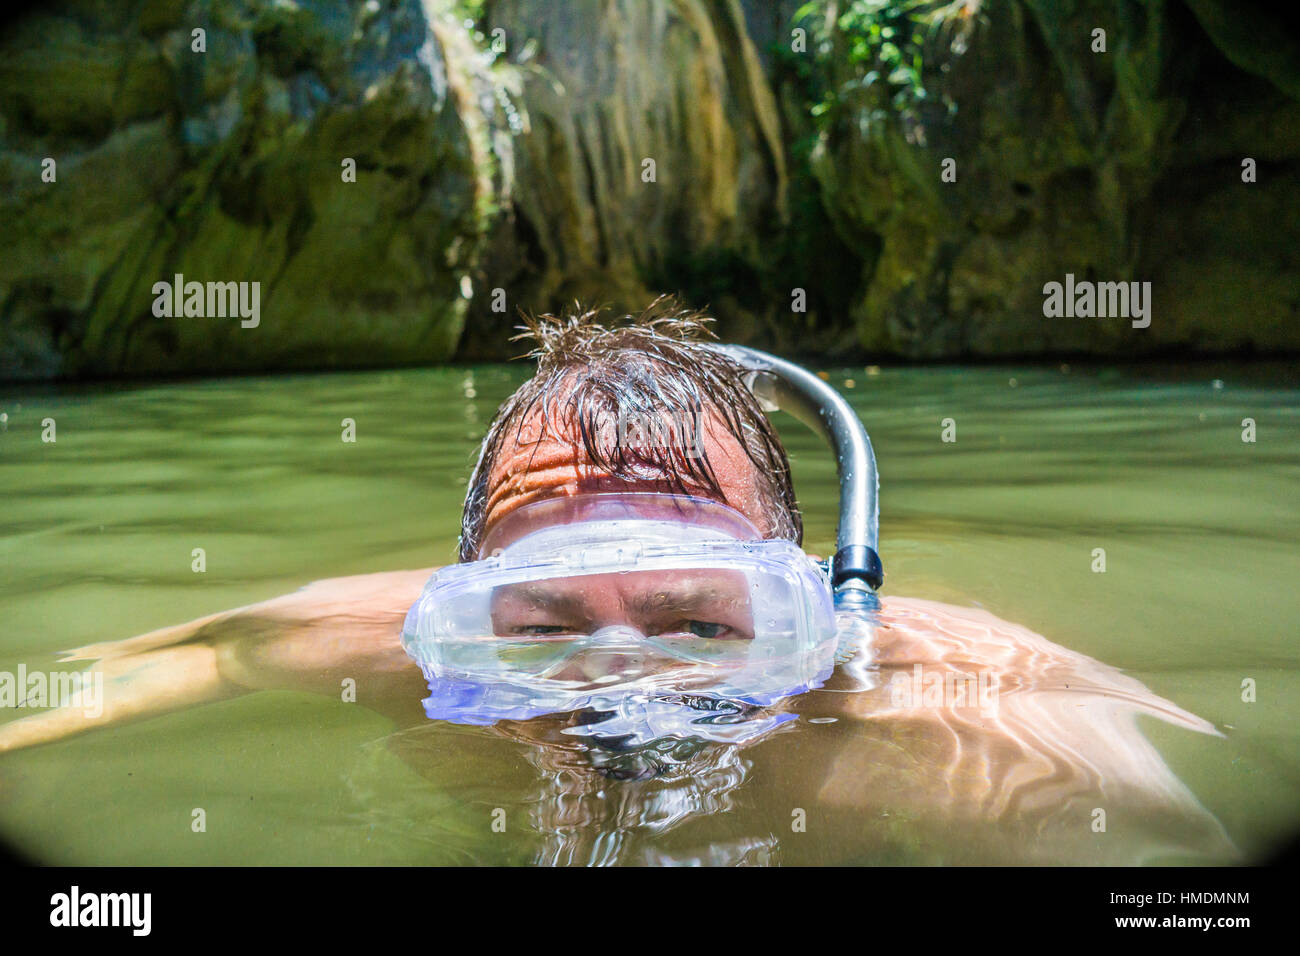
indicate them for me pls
(639, 405)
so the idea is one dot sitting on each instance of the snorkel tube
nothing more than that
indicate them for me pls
(856, 571)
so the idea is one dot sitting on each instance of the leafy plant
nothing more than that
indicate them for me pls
(887, 47)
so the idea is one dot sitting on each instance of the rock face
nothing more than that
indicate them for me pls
(227, 165)
(648, 158)
(526, 153)
(1125, 164)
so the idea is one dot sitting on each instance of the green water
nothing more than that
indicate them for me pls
(98, 527)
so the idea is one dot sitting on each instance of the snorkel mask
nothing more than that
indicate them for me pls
(668, 613)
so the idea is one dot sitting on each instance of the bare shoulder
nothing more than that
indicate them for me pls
(916, 627)
(380, 595)
(1023, 665)
(309, 640)
(385, 591)
(984, 718)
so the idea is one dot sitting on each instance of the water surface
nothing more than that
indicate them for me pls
(97, 532)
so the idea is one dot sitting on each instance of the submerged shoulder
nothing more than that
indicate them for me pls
(1028, 670)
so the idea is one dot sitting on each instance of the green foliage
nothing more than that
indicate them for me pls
(473, 15)
(469, 9)
(885, 48)
(806, 251)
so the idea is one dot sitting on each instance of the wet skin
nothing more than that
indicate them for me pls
(685, 614)
(1062, 732)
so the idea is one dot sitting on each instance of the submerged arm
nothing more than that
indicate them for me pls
(309, 640)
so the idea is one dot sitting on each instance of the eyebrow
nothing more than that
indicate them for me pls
(685, 599)
(539, 596)
(682, 599)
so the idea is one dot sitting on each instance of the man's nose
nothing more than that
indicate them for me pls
(613, 653)
(624, 634)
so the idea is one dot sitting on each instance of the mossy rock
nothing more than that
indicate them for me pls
(227, 166)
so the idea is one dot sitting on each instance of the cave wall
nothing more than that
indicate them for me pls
(501, 152)
(226, 165)
(1117, 166)
(605, 89)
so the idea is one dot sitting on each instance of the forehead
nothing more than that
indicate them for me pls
(678, 590)
(543, 455)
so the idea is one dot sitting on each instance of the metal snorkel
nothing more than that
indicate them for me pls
(856, 571)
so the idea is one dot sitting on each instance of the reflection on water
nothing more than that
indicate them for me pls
(1048, 766)
(903, 757)
(579, 803)
(601, 806)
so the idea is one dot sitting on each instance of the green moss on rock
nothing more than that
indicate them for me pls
(226, 166)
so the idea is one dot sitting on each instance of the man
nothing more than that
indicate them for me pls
(643, 407)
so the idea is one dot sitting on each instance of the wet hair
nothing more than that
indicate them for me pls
(596, 374)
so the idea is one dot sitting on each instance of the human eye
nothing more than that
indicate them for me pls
(708, 630)
(540, 630)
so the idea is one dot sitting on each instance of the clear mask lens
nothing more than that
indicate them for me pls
(628, 604)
